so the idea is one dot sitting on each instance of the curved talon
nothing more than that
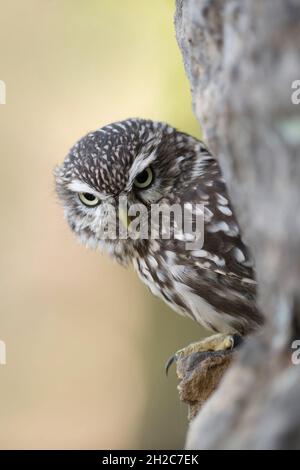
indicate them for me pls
(169, 362)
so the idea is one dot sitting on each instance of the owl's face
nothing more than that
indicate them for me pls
(135, 159)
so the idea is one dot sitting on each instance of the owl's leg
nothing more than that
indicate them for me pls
(219, 342)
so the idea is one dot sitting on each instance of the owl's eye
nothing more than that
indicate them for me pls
(144, 179)
(89, 199)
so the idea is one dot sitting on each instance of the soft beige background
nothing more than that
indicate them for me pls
(86, 342)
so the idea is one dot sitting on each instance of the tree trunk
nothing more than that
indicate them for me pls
(242, 58)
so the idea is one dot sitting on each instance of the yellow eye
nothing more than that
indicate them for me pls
(144, 179)
(89, 199)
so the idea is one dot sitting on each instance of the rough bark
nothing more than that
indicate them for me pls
(199, 375)
(241, 57)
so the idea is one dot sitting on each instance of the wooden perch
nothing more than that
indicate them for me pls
(199, 374)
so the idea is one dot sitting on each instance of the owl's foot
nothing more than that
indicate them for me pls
(219, 342)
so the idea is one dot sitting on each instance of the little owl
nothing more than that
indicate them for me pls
(153, 163)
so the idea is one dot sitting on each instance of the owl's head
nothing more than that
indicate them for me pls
(143, 161)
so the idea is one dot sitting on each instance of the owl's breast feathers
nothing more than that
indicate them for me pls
(214, 285)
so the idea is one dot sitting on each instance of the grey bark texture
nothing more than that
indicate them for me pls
(241, 57)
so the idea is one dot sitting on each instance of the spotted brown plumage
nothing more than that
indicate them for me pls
(215, 284)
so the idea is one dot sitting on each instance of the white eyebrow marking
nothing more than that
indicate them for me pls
(146, 156)
(141, 162)
(78, 186)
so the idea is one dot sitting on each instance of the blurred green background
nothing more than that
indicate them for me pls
(86, 342)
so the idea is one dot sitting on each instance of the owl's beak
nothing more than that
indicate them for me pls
(124, 218)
